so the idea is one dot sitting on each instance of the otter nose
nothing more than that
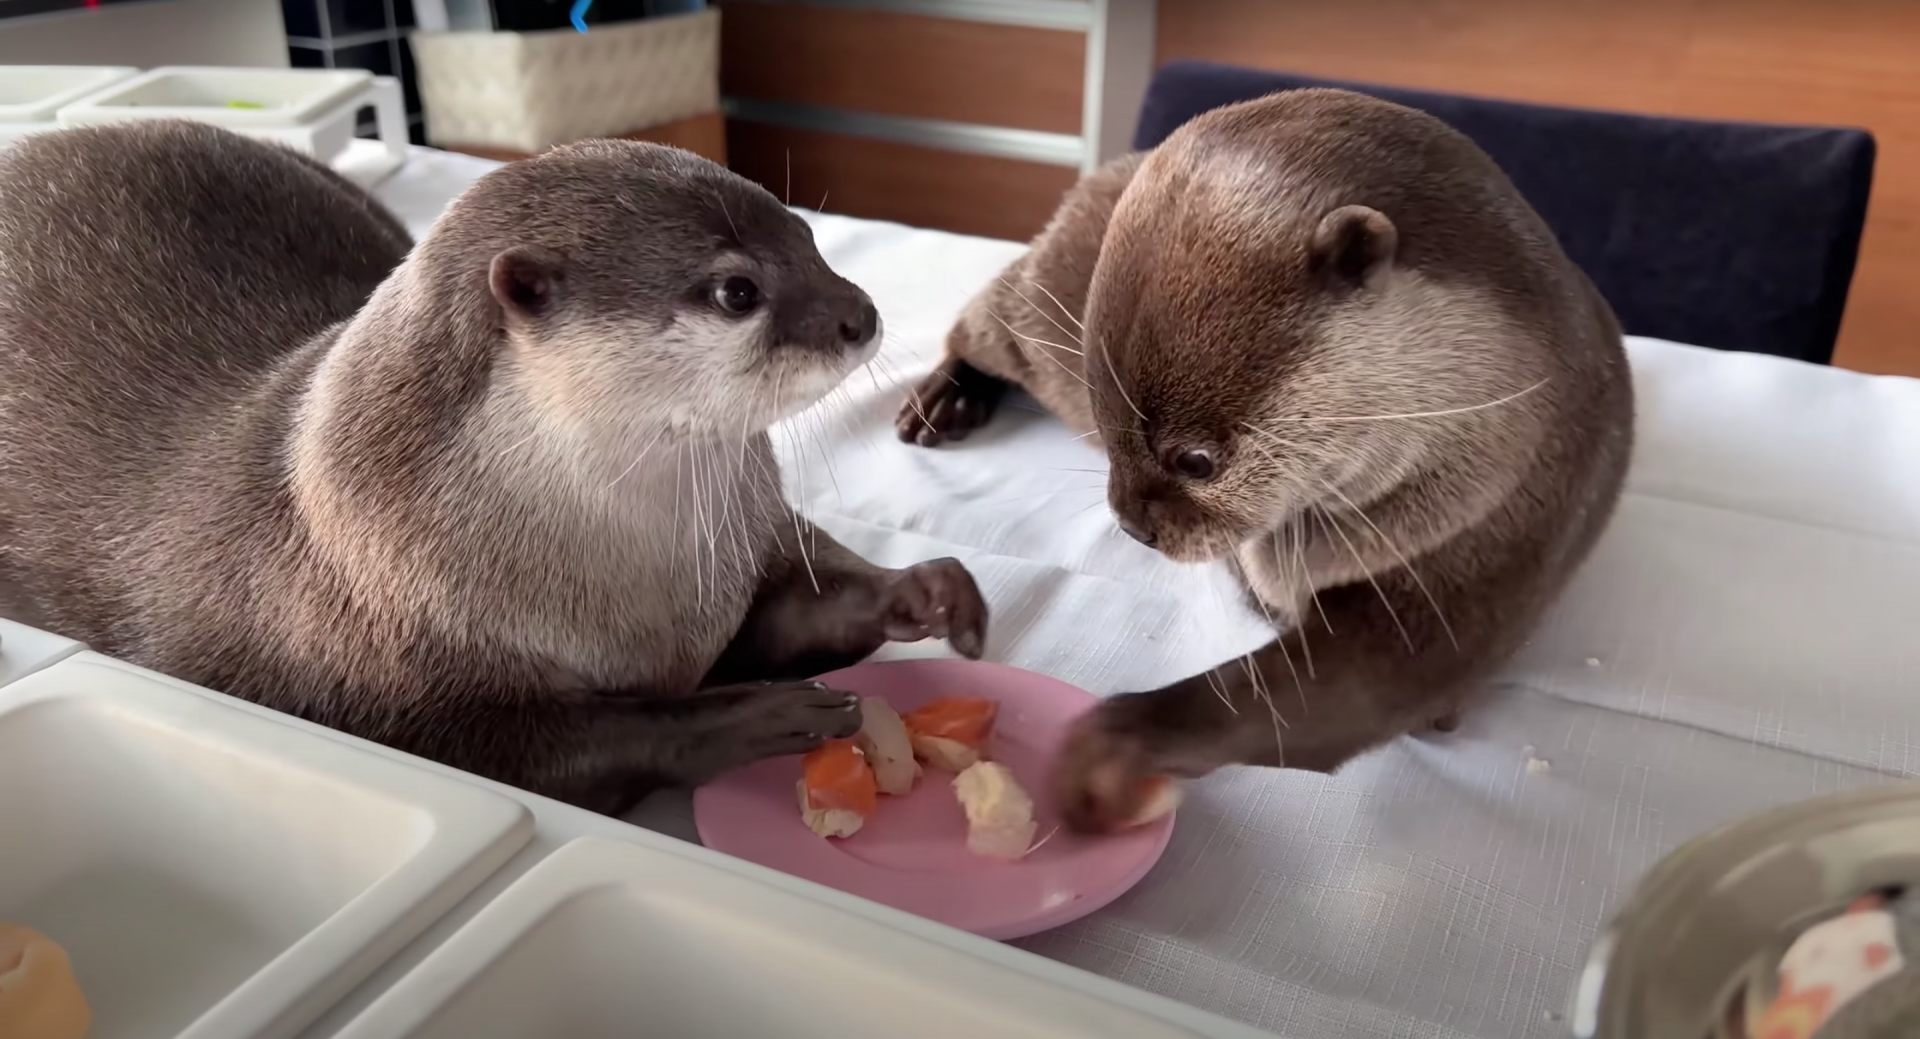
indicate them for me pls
(1136, 531)
(864, 326)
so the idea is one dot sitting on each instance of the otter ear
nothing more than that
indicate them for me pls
(525, 280)
(1355, 245)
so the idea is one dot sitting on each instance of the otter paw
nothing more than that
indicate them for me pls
(937, 599)
(1113, 757)
(780, 718)
(949, 404)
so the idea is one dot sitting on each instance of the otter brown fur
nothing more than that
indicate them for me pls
(505, 500)
(1326, 340)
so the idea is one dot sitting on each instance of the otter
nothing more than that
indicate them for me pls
(1323, 339)
(504, 500)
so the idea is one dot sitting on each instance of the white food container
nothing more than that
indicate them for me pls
(312, 110)
(609, 940)
(213, 872)
(24, 650)
(31, 95)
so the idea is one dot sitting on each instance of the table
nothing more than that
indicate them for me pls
(1741, 638)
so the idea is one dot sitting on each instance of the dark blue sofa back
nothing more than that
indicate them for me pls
(1729, 235)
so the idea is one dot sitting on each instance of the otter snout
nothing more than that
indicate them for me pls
(836, 318)
(863, 326)
(1143, 518)
(1166, 521)
(1137, 529)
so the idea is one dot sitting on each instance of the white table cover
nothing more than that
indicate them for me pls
(1745, 635)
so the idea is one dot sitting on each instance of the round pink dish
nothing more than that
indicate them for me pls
(912, 854)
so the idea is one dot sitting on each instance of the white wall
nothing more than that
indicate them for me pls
(160, 32)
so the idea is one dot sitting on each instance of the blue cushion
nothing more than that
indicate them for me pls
(1731, 235)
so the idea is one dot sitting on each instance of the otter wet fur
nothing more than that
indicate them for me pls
(505, 500)
(1323, 339)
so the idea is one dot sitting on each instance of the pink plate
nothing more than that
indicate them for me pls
(912, 854)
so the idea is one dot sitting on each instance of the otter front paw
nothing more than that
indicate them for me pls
(947, 405)
(1115, 755)
(773, 719)
(936, 599)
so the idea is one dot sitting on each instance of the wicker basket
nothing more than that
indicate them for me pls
(530, 91)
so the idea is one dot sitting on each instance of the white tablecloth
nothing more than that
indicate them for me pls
(1744, 636)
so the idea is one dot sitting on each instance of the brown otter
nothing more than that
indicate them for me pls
(510, 506)
(1322, 337)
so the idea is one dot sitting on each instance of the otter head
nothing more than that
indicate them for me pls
(1255, 318)
(635, 284)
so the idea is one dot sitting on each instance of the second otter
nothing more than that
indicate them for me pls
(1323, 338)
(515, 510)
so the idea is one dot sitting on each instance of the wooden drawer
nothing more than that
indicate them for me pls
(903, 65)
(881, 180)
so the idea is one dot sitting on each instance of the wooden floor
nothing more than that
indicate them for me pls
(1844, 62)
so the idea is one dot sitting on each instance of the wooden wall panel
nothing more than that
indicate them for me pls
(703, 135)
(1841, 62)
(902, 64)
(970, 194)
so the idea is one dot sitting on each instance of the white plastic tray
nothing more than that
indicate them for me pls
(24, 650)
(31, 95)
(216, 873)
(313, 110)
(610, 939)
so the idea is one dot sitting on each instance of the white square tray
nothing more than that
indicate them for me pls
(313, 110)
(216, 873)
(30, 95)
(609, 940)
(24, 650)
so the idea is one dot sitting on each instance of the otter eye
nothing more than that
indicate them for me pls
(1196, 464)
(737, 295)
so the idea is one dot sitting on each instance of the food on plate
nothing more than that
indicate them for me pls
(837, 789)
(1159, 795)
(999, 813)
(951, 732)
(883, 739)
(39, 996)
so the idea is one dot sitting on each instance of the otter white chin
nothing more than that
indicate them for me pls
(504, 500)
(1326, 342)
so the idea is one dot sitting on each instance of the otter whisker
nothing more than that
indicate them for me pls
(679, 501)
(1222, 689)
(1333, 522)
(1508, 399)
(1063, 367)
(1266, 695)
(822, 207)
(1037, 341)
(1322, 521)
(1037, 309)
(1219, 688)
(1115, 376)
(729, 216)
(1279, 643)
(1300, 579)
(1039, 496)
(637, 459)
(799, 538)
(1276, 439)
(786, 196)
(699, 462)
(1299, 529)
(1401, 556)
(1062, 306)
